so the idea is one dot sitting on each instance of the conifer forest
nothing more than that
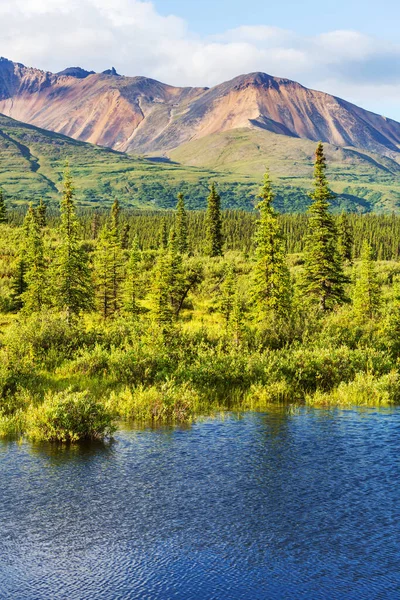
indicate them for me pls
(160, 317)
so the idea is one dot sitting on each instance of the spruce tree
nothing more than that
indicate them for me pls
(115, 256)
(95, 226)
(132, 285)
(73, 283)
(3, 209)
(169, 284)
(175, 275)
(115, 216)
(125, 236)
(324, 280)
(35, 295)
(41, 214)
(181, 226)
(214, 239)
(18, 283)
(236, 324)
(346, 240)
(104, 273)
(271, 284)
(162, 312)
(228, 290)
(163, 238)
(367, 293)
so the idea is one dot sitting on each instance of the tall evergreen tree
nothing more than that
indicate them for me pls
(169, 284)
(18, 283)
(236, 324)
(3, 208)
(346, 239)
(214, 239)
(125, 236)
(95, 226)
(41, 214)
(271, 287)
(34, 297)
(324, 279)
(73, 283)
(163, 243)
(131, 288)
(181, 225)
(367, 292)
(115, 217)
(228, 290)
(115, 256)
(104, 273)
(161, 306)
(175, 276)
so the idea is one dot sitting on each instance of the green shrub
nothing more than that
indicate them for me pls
(169, 402)
(46, 337)
(69, 417)
(364, 390)
(91, 362)
(12, 425)
(259, 397)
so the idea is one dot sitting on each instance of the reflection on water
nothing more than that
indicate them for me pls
(300, 504)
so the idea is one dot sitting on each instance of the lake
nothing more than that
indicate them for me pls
(289, 504)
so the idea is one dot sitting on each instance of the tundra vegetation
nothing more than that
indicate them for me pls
(159, 317)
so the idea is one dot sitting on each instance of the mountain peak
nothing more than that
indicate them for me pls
(111, 71)
(77, 72)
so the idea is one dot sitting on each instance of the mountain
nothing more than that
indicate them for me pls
(143, 116)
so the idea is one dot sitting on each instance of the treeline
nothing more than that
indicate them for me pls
(238, 227)
(104, 263)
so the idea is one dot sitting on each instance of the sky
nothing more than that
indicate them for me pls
(347, 48)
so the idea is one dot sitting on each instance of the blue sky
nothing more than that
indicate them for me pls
(347, 48)
(380, 18)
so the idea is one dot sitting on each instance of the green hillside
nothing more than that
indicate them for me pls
(364, 181)
(32, 162)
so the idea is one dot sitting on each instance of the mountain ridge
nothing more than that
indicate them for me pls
(141, 115)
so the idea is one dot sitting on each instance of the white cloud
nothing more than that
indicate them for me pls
(132, 36)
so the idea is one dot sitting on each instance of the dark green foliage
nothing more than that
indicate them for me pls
(132, 284)
(345, 245)
(272, 290)
(18, 284)
(324, 279)
(35, 296)
(163, 243)
(214, 239)
(104, 271)
(73, 283)
(181, 226)
(95, 226)
(3, 209)
(41, 213)
(125, 236)
(115, 214)
(228, 292)
(367, 292)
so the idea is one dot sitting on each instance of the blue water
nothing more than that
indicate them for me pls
(278, 505)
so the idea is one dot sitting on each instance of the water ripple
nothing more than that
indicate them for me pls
(267, 506)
